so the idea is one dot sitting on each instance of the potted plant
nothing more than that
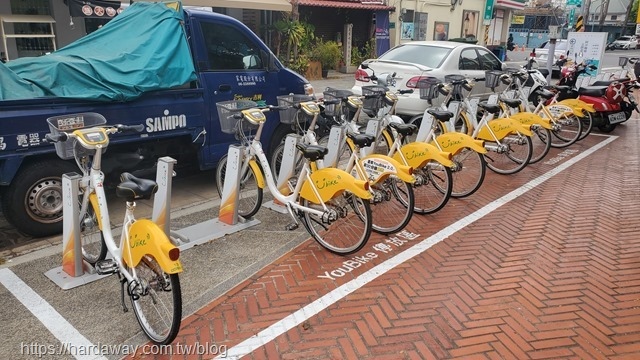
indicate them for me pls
(329, 54)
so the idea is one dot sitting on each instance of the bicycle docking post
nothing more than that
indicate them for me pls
(230, 194)
(161, 213)
(287, 170)
(74, 270)
(228, 220)
(336, 137)
(372, 129)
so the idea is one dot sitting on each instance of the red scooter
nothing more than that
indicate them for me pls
(612, 99)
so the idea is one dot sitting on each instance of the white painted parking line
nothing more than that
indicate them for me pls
(267, 335)
(70, 339)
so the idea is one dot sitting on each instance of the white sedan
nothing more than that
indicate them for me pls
(423, 59)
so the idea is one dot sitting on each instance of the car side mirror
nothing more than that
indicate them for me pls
(364, 66)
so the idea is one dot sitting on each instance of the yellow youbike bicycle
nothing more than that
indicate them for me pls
(145, 260)
(332, 205)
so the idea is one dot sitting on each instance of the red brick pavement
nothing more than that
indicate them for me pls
(554, 273)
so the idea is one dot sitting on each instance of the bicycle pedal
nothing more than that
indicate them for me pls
(292, 226)
(106, 267)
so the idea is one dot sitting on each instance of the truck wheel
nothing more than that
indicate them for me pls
(33, 201)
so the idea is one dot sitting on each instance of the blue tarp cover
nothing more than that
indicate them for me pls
(143, 49)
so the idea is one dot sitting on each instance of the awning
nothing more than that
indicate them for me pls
(274, 5)
(360, 5)
(510, 4)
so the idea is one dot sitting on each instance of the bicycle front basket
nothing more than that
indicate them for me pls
(68, 123)
(373, 104)
(428, 88)
(288, 115)
(492, 78)
(333, 94)
(227, 110)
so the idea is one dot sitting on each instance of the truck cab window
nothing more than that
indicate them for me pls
(229, 49)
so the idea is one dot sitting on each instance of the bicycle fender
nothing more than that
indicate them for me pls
(559, 109)
(527, 118)
(453, 142)
(146, 238)
(503, 127)
(418, 154)
(577, 103)
(257, 172)
(330, 182)
(379, 167)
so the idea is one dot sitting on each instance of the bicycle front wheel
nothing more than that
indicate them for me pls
(468, 172)
(343, 229)
(511, 155)
(394, 205)
(568, 131)
(93, 247)
(156, 298)
(541, 141)
(249, 194)
(587, 125)
(433, 188)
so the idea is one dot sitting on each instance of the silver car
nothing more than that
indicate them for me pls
(418, 60)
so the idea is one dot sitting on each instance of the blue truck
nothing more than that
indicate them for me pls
(230, 62)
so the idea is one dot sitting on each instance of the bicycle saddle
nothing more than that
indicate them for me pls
(442, 115)
(544, 93)
(492, 108)
(512, 103)
(361, 140)
(404, 129)
(609, 82)
(561, 88)
(312, 152)
(132, 188)
(592, 90)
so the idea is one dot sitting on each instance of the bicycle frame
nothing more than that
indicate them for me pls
(333, 181)
(488, 128)
(158, 246)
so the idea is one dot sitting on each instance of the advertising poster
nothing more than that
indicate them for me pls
(587, 47)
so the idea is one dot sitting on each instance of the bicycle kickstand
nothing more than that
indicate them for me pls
(123, 281)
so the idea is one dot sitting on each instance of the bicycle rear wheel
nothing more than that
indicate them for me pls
(93, 247)
(513, 157)
(249, 194)
(541, 141)
(346, 234)
(433, 188)
(157, 301)
(394, 208)
(568, 132)
(468, 173)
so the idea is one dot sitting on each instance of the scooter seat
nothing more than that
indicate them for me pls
(608, 82)
(512, 103)
(492, 108)
(403, 129)
(544, 93)
(561, 88)
(592, 90)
